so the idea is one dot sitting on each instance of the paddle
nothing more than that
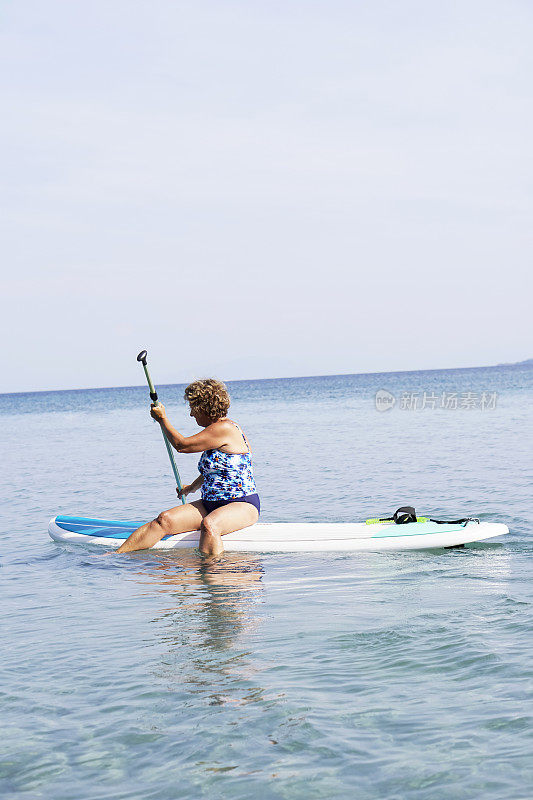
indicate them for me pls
(153, 395)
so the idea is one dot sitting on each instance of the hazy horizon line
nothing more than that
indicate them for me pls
(278, 378)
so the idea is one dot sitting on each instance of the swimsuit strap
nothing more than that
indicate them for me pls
(242, 434)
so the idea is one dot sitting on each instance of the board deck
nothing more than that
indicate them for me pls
(289, 536)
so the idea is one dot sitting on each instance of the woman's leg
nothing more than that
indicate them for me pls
(226, 519)
(176, 520)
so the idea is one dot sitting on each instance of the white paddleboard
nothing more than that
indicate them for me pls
(287, 537)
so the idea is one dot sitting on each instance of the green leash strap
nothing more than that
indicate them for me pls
(375, 520)
(153, 396)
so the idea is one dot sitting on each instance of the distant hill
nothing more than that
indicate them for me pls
(527, 363)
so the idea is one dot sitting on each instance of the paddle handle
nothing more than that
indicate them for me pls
(142, 358)
(153, 396)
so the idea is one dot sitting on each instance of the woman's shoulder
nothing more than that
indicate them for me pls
(224, 432)
(223, 425)
(234, 436)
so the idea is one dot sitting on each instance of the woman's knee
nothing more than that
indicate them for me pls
(164, 520)
(210, 527)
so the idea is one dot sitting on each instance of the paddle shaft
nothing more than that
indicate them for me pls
(153, 396)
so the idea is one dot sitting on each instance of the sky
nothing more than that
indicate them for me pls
(261, 188)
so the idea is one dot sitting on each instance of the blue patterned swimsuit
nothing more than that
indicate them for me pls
(227, 478)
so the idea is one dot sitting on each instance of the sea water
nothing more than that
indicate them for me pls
(157, 675)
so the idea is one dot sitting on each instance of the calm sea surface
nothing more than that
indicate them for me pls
(156, 676)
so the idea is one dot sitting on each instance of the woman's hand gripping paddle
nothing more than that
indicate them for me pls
(153, 395)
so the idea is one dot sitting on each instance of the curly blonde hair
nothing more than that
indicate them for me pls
(208, 396)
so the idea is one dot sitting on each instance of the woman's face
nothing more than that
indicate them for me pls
(201, 419)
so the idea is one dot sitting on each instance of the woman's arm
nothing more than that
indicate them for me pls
(195, 485)
(211, 438)
(191, 488)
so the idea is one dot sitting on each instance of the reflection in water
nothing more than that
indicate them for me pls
(213, 604)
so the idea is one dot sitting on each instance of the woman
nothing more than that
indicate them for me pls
(229, 496)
